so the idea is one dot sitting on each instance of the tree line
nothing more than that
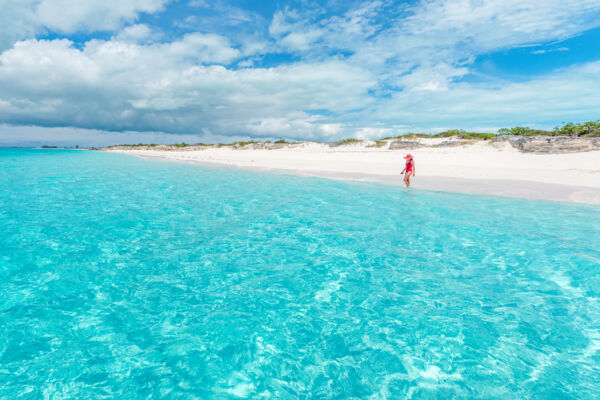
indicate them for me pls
(590, 128)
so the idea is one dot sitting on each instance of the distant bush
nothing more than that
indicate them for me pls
(462, 134)
(182, 144)
(590, 128)
(451, 133)
(523, 131)
(280, 141)
(349, 141)
(241, 144)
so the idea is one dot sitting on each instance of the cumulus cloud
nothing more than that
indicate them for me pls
(113, 85)
(21, 19)
(17, 21)
(91, 15)
(138, 33)
(295, 125)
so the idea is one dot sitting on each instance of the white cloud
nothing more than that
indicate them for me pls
(432, 34)
(430, 77)
(295, 125)
(125, 86)
(487, 25)
(17, 21)
(22, 19)
(199, 3)
(92, 15)
(138, 33)
(304, 31)
(203, 48)
(544, 51)
(571, 93)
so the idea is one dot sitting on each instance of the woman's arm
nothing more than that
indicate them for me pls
(414, 167)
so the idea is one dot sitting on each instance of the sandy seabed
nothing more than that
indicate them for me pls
(480, 167)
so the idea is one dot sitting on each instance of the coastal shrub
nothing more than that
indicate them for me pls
(480, 136)
(348, 141)
(462, 134)
(241, 143)
(589, 128)
(523, 131)
(451, 133)
(407, 136)
(280, 141)
(182, 144)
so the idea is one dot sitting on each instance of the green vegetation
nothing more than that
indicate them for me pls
(241, 144)
(464, 134)
(584, 129)
(280, 141)
(446, 134)
(523, 131)
(348, 141)
(380, 143)
(182, 144)
(590, 128)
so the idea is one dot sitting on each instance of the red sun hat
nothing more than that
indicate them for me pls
(408, 157)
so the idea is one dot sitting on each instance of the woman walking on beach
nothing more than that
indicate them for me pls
(409, 169)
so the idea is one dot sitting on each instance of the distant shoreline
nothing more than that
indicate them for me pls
(48, 148)
(568, 171)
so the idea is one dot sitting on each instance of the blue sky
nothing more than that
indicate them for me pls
(109, 71)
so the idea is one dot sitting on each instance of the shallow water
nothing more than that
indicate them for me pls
(127, 278)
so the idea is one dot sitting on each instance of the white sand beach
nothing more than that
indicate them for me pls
(481, 167)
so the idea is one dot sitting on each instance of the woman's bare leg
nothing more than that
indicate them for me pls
(407, 179)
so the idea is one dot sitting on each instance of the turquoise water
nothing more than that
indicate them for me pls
(134, 279)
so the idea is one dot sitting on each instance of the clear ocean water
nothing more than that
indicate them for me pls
(134, 279)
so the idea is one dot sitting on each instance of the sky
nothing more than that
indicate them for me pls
(99, 72)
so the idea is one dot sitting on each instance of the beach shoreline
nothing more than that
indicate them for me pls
(476, 168)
